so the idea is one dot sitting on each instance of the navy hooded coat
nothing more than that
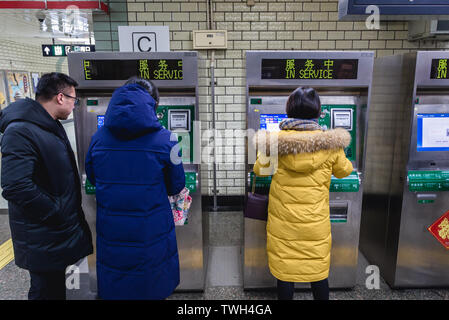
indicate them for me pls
(129, 162)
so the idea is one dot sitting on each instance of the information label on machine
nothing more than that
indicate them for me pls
(151, 69)
(311, 69)
(421, 180)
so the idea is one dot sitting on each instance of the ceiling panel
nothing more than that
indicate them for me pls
(34, 25)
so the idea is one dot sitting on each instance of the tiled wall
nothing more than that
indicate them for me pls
(105, 26)
(269, 25)
(28, 57)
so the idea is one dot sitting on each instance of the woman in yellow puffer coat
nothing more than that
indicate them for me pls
(298, 227)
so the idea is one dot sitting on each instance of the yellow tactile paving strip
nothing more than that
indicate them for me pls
(6, 253)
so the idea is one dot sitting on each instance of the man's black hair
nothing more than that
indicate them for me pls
(149, 86)
(50, 84)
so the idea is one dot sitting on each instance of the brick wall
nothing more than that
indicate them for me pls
(269, 25)
(105, 26)
(22, 56)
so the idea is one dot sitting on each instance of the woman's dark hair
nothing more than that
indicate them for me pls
(50, 84)
(303, 103)
(147, 85)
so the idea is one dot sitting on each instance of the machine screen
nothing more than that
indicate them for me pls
(270, 122)
(433, 132)
(312, 69)
(159, 69)
(100, 121)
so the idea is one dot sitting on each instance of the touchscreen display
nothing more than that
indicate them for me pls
(271, 122)
(433, 132)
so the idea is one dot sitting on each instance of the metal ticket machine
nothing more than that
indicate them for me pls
(175, 74)
(405, 222)
(343, 81)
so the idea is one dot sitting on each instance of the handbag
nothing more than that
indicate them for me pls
(180, 205)
(256, 206)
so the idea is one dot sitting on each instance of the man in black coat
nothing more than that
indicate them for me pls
(40, 180)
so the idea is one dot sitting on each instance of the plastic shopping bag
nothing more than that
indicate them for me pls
(180, 205)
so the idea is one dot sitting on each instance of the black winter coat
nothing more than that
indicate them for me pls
(41, 183)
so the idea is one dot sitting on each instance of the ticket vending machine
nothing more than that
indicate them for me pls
(408, 194)
(175, 74)
(343, 81)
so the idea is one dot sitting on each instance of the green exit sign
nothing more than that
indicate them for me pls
(61, 50)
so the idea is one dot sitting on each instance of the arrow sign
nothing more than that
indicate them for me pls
(60, 50)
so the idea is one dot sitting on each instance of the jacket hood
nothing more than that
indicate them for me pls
(27, 110)
(131, 112)
(303, 151)
(294, 142)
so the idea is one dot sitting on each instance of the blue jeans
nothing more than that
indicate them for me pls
(320, 290)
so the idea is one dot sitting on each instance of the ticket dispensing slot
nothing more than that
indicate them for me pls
(338, 211)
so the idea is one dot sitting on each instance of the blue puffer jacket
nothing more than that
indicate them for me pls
(129, 163)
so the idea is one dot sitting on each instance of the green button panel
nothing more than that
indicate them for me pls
(90, 189)
(349, 184)
(428, 180)
(190, 183)
(261, 182)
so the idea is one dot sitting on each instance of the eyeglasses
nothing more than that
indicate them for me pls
(77, 100)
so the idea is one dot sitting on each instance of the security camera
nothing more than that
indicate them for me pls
(40, 16)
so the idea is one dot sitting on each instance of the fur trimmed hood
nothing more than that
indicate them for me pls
(294, 142)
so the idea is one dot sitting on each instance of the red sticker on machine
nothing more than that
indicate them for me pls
(440, 229)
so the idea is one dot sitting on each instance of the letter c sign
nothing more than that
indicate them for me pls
(144, 42)
(148, 43)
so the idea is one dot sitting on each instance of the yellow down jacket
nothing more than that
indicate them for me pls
(298, 227)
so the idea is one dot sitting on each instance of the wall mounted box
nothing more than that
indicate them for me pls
(210, 39)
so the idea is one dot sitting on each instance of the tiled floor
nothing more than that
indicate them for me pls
(224, 276)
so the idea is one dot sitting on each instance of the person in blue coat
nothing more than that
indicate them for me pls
(134, 163)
